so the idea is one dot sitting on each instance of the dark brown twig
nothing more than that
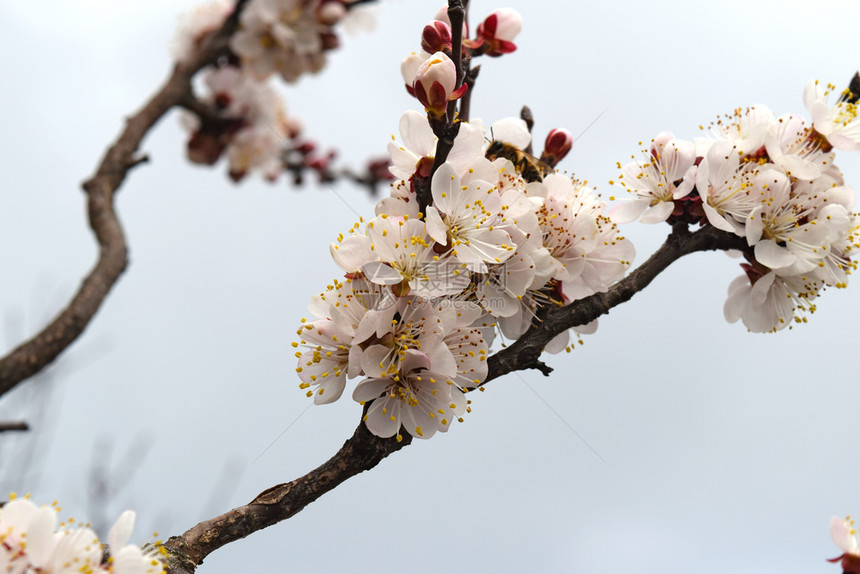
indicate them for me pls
(17, 426)
(445, 129)
(34, 355)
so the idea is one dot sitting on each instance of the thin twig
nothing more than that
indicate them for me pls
(17, 426)
(445, 129)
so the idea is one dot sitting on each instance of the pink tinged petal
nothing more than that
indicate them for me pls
(487, 246)
(445, 188)
(132, 560)
(754, 226)
(416, 419)
(16, 515)
(478, 169)
(351, 253)
(371, 323)
(545, 267)
(40, 536)
(758, 292)
(717, 220)
(436, 228)
(121, 530)
(383, 417)
(576, 289)
(627, 211)
(397, 206)
(508, 25)
(330, 389)
(380, 273)
(657, 213)
(811, 93)
(319, 307)
(369, 389)
(414, 360)
(404, 162)
(417, 134)
(559, 343)
(409, 67)
(686, 186)
(354, 364)
(843, 195)
(588, 328)
(733, 307)
(441, 360)
(378, 361)
(768, 253)
(468, 147)
(842, 535)
(468, 314)
(800, 168)
(843, 142)
(820, 113)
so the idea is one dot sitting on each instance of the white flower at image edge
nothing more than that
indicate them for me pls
(29, 542)
(843, 533)
(840, 124)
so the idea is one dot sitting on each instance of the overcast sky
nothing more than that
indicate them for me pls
(725, 451)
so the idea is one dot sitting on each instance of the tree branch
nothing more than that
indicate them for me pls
(361, 452)
(364, 450)
(34, 355)
(525, 352)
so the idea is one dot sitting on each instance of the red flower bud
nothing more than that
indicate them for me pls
(436, 37)
(558, 143)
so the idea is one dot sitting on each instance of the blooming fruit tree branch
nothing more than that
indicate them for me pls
(480, 239)
(480, 244)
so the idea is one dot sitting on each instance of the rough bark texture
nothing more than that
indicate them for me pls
(361, 452)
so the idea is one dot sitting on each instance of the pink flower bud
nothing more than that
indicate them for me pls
(558, 144)
(498, 31)
(435, 82)
(436, 37)
(409, 69)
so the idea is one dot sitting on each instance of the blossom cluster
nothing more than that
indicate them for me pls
(249, 124)
(425, 293)
(31, 542)
(772, 181)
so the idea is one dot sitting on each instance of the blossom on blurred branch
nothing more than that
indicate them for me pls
(240, 116)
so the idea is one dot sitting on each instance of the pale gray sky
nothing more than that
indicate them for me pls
(727, 452)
